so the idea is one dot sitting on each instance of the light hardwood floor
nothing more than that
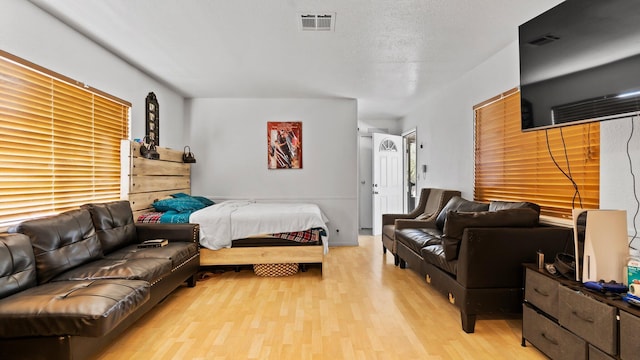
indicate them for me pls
(362, 308)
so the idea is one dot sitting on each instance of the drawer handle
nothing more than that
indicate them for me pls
(540, 292)
(550, 339)
(575, 313)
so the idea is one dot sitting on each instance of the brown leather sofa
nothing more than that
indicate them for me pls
(432, 200)
(473, 253)
(71, 283)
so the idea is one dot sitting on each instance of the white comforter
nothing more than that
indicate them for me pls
(237, 219)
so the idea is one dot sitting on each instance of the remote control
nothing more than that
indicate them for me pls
(593, 285)
(631, 299)
(602, 286)
(615, 287)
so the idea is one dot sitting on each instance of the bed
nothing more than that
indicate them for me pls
(146, 181)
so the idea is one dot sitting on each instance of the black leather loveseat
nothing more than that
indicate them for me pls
(72, 282)
(473, 253)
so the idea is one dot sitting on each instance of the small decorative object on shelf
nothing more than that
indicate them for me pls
(148, 149)
(187, 156)
(152, 114)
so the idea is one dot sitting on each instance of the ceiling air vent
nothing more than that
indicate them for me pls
(317, 22)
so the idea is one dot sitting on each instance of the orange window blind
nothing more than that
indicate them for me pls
(59, 142)
(512, 165)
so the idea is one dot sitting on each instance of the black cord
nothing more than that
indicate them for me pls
(575, 186)
(635, 194)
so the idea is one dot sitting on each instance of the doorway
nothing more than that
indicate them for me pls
(388, 184)
(374, 197)
(410, 173)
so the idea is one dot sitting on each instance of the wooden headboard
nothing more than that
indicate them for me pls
(144, 181)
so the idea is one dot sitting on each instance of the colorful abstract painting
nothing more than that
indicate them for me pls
(284, 145)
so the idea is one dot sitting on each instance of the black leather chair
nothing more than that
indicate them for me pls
(432, 200)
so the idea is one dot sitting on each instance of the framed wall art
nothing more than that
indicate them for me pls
(284, 145)
(152, 115)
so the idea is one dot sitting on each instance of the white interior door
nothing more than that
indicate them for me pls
(387, 178)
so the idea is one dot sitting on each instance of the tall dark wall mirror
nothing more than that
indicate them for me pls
(153, 119)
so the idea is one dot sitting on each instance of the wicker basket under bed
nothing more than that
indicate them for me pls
(275, 270)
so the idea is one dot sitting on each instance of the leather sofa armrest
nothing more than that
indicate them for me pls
(389, 219)
(172, 232)
(414, 224)
(493, 257)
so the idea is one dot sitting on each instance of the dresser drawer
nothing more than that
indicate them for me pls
(549, 337)
(588, 318)
(597, 354)
(629, 331)
(542, 292)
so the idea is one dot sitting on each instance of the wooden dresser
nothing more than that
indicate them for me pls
(565, 320)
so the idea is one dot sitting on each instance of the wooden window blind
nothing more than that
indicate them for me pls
(512, 165)
(59, 142)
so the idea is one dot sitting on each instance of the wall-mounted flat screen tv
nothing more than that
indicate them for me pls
(580, 62)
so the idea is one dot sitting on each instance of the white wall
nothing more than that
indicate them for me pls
(29, 33)
(228, 137)
(445, 127)
(393, 126)
(445, 122)
(616, 181)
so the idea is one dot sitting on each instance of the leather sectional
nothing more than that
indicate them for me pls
(473, 253)
(71, 283)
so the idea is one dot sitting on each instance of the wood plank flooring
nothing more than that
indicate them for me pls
(363, 308)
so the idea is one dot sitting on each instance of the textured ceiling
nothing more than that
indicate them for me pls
(385, 54)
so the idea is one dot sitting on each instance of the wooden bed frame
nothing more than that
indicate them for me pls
(144, 181)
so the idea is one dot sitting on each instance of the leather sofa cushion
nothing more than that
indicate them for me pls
(17, 264)
(114, 224)
(435, 233)
(435, 201)
(416, 239)
(150, 270)
(427, 215)
(456, 222)
(504, 205)
(61, 242)
(83, 308)
(434, 254)
(457, 203)
(177, 252)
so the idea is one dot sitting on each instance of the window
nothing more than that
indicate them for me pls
(388, 145)
(59, 142)
(512, 165)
